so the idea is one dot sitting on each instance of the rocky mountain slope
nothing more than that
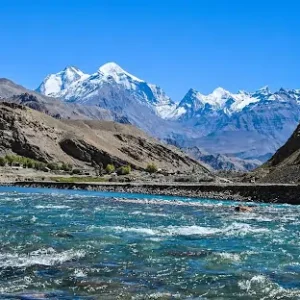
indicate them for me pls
(222, 162)
(33, 134)
(12, 92)
(284, 166)
(244, 125)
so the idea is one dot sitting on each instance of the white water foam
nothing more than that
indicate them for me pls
(262, 287)
(137, 212)
(46, 257)
(51, 206)
(234, 229)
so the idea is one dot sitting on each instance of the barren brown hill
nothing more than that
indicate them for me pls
(284, 165)
(12, 92)
(33, 134)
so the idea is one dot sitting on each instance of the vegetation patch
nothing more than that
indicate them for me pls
(151, 168)
(77, 179)
(25, 162)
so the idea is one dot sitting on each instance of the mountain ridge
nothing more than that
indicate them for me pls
(245, 125)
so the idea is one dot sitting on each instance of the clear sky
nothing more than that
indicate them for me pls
(236, 44)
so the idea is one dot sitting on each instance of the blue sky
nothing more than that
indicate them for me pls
(175, 44)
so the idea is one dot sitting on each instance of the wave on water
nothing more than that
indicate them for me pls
(151, 214)
(45, 257)
(235, 229)
(262, 287)
(51, 206)
(173, 202)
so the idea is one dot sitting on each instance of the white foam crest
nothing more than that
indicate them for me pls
(146, 231)
(250, 216)
(51, 206)
(158, 295)
(243, 229)
(191, 230)
(170, 202)
(239, 229)
(137, 212)
(261, 286)
(79, 273)
(46, 257)
(229, 256)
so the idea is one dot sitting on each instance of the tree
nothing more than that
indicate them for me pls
(2, 161)
(9, 159)
(151, 168)
(66, 167)
(53, 166)
(124, 170)
(110, 168)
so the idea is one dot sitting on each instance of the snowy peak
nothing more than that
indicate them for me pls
(115, 71)
(111, 67)
(220, 93)
(264, 90)
(111, 84)
(55, 83)
(220, 100)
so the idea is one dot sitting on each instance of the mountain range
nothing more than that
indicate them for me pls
(246, 125)
(232, 130)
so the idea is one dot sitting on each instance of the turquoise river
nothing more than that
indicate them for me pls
(57, 244)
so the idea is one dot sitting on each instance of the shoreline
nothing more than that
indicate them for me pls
(267, 193)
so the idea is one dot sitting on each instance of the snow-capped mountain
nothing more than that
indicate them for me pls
(55, 83)
(108, 87)
(195, 103)
(248, 125)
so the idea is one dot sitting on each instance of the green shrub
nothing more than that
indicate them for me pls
(66, 167)
(10, 159)
(39, 165)
(76, 171)
(124, 170)
(2, 161)
(151, 168)
(29, 164)
(53, 166)
(110, 168)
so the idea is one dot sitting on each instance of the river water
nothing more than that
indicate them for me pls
(88, 245)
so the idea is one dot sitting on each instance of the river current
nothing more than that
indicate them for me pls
(57, 244)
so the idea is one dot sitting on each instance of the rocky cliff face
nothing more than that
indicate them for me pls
(81, 142)
(11, 92)
(284, 165)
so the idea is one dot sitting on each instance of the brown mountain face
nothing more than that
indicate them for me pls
(14, 93)
(284, 166)
(33, 134)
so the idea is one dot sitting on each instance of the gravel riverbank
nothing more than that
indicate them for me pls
(269, 193)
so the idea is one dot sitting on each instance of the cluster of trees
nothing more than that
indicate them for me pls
(25, 162)
(124, 170)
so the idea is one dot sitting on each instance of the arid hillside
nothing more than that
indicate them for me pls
(33, 134)
(284, 165)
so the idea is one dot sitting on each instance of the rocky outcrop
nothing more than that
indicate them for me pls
(83, 151)
(284, 165)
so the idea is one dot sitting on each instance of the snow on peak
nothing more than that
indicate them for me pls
(114, 70)
(219, 100)
(111, 67)
(220, 92)
(55, 83)
(264, 90)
